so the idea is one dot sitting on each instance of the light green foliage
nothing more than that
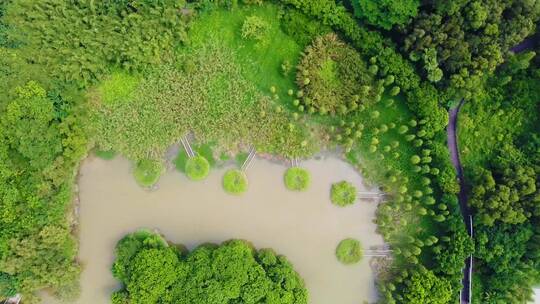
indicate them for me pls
(59, 34)
(297, 179)
(153, 270)
(197, 168)
(349, 251)
(235, 181)
(386, 13)
(333, 77)
(148, 171)
(220, 102)
(232, 272)
(343, 194)
(118, 87)
(434, 73)
(260, 61)
(254, 28)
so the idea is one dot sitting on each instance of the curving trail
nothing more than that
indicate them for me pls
(526, 44)
(465, 294)
(466, 291)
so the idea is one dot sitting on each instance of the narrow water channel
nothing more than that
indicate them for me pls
(305, 227)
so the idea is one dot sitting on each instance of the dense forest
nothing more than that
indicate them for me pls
(371, 79)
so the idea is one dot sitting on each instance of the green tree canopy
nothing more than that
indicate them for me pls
(386, 13)
(423, 287)
(508, 195)
(233, 272)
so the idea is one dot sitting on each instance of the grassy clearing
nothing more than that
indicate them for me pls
(118, 87)
(217, 89)
(260, 59)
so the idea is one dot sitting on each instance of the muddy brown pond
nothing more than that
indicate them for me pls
(303, 226)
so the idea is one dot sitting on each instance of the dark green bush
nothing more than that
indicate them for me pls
(302, 28)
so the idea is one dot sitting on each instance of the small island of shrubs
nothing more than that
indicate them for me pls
(152, 271)
(343, 194)
(148, 171)
(349, 251)
(297, 179)
(197, 168)
(235, 182)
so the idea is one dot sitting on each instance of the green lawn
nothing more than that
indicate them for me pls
(260, 60)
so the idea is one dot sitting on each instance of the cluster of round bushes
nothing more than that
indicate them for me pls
(297, 179)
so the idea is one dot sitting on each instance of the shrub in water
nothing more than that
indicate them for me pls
(235, 181)
(197, 168)
(148, 171)
(343, 193)
(297, 179)
(349, 251)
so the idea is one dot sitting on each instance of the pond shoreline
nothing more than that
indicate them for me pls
(305, 227)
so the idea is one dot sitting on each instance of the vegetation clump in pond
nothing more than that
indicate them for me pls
(343, 194)
(148, 171)
(235, 181)
(149, 269)
(297, 179)
(349, 251)
(197, 168)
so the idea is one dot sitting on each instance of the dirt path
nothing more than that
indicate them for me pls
(465, 294)
(526, 44)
